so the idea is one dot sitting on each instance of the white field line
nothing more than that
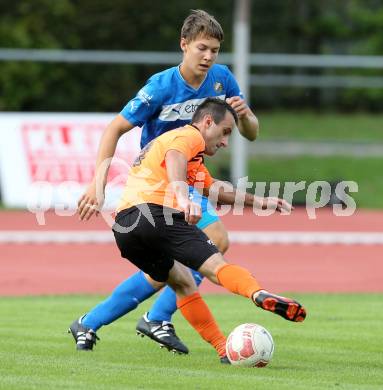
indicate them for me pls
(236, 237)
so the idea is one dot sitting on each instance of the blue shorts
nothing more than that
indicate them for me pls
(209, 214)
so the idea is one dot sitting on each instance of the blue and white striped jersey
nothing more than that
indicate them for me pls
(167, 101)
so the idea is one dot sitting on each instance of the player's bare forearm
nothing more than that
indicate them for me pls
(225, 193)
(92, 200)
(108, 144)
(176, 169)
(248, 124)
(230, 195)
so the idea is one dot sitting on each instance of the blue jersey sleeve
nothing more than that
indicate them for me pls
(232, 85)
(144, 105)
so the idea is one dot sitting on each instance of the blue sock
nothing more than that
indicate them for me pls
(165, 305)
(124, 299)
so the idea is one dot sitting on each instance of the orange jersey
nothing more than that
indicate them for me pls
(148, 180)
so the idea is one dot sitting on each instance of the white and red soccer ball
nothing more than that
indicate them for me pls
(249, 345)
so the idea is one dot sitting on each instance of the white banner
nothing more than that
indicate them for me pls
(47, 159)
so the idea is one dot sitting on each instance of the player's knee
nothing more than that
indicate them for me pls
(154, 283)
(222, 243)
(183, 287)
(211, 266)
(184, 290)
(218, 234)
(181, 280)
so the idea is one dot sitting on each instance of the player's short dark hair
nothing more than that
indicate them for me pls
(199, 22)
(216, 108)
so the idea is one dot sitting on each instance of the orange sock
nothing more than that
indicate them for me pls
(197, 313)
(238, 280)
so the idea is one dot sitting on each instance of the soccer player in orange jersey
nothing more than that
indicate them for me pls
(155, 224)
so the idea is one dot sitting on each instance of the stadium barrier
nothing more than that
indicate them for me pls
(47, 159)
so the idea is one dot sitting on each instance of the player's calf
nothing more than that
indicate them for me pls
(240, 281)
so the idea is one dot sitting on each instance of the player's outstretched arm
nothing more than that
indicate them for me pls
(225, 193)
(248, 124)
(92, 200)
(176, 168)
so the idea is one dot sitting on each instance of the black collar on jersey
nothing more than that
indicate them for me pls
(195, 127)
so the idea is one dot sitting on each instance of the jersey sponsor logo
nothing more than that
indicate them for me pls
(144, 97)
(133, 106)
(182, 111)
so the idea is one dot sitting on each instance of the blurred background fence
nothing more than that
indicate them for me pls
(316, 79)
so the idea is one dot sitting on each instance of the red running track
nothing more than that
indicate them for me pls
(35, 269)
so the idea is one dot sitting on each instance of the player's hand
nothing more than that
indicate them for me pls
(239, 105)
(278, 204)
(89, 204)
(192, 210)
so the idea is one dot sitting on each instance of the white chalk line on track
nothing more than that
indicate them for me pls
(236, 237)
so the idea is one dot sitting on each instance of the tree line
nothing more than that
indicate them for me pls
(277, 26)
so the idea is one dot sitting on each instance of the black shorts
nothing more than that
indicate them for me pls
(146, 240)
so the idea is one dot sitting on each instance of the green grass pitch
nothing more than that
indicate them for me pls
(339, 346)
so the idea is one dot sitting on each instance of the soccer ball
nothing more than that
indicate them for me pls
(249, 345)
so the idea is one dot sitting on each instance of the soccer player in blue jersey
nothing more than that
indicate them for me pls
(167, 101)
